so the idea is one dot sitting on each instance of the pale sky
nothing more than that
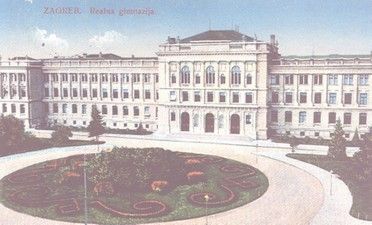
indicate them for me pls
(303, 27)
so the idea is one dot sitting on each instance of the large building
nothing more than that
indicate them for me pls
(219, 82)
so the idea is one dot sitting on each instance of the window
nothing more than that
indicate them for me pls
(85, 92)
(173, 116)
(288, 79)
(84, 109)
(64, 77)
(249, 79)
(302, 117)
(235, 97)
(348, 80)
(222, 79)
(64, 108)
(332, 79)
(248, 119)
(136, 94)
(347, 98)
(222, 97)
(94, 92)
(185, 96)
(74, 108)
(317, 117)
(362, 118)
(210, 96)
(248, 97)
(104, 93)
(347, 118)
(135, 111)
(156, 78)
(74, 92)
(318, 79)
(146, 110)
(115, 77)
(157, 94)
(23, 92)
(195, 120)
(209, 76)
(332, 117)
(125, 111)
(114, 110)
(147, 94)
(288, 97)
(46, 92)
(125, 78)
(146, 78)
(274, 79)
(185, 75)
(55, 77)
(220, 121)
(136, 77)
(104, 77)
(172, 96)
(94, 77)
(303, 97)
(46, 78)
(115, 93)
(13, 108)
(304, 79)
(317, 97)
(125, 93)
(74, 77)
(316, 134)
(55, 92)
(55, 108)
(274, 97)
(274, 116)
(5, 109)
(302, 133)
(84, 77)
(22, 109)
(197, 78)
(363, 79)
(104, 110)
(197, 96)
(235, 75)
(332, 98)
(288, 116)
(363, 99)
(65, 92)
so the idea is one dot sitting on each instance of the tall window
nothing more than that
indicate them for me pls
(274, 79)
(317, 97)
(185, 75)
(235, 75)
(74, 108)
(288, 116)
(64, 108)
(185, 96)
(104, 109)
(115, 93)
(115, 77)
(347, 118)
(197, 96)
(125, 111)
(74, 77)
(104, 77)
(136, 94)
(147, 94)
(235, 97)
(55, 108)
(248, 97)
(332, 117)
(362, 118)
(347, 98)
(222, 97)
(363, 79)
(363, 99)
(304, 79)
(104, 93)
(274, 116)
(302, 117)
(84, 109)
(135, 111)
(303, 97)
(249, 79)
(332, 79)
(209, 78)
(274, 97)
(288, 79)
(114, 110)
(332, 98)
(210, 96)
(222, 79)
(288, 97)
(348, 80)
(318, 79)
(197, 78)
(84, 77)
(173, 79)
(317, 117)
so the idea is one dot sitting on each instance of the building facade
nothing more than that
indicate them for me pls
(213, 83)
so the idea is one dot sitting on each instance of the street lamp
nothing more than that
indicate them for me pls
(206, 197)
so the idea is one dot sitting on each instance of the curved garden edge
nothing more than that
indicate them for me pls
(337, 203)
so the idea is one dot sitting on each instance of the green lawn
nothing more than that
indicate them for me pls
(347, 170)
(176, 199)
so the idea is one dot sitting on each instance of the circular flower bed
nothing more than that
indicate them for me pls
(132, 186)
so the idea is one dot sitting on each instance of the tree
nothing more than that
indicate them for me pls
(61, 135)
(12, 133)
(337, 145)
(364, 158)
(96, 127)
(356, 139)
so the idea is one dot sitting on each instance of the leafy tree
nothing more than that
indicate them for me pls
(337, 146)
(364, 159)
(96, 127)
(61, 135)
(356, 139)
(12, 133)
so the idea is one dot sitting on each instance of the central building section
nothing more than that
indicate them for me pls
(214, 83)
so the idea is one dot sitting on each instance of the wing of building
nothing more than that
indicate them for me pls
(219, 82)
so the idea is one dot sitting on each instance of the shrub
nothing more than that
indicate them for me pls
(195, 176)
(337, 146)
(159, 185)
(61, 135)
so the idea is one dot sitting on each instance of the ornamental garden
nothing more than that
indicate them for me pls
(131, 185)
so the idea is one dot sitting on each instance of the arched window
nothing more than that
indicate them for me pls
(235, 75)
(185, 75)
(209, 78)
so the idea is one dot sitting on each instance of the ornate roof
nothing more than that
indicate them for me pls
(216, 35)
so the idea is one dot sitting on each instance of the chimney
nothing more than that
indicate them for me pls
(272, 40)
